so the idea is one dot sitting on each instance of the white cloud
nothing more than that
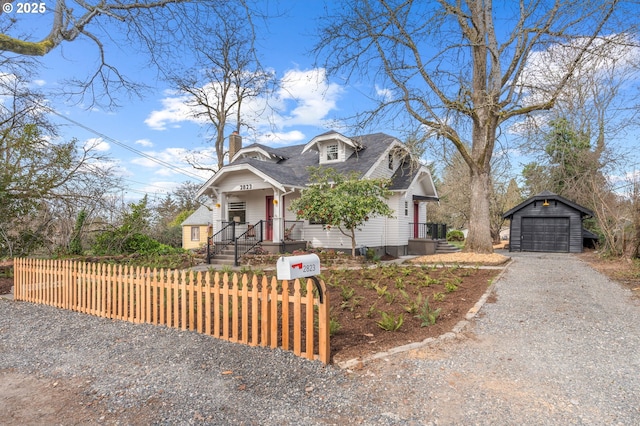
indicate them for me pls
(305, 98)
(313, 97)
(39, 82)
(114, 167)
(613, 55)
(97, 144)
(608, 65)
(281, 138)
(385, 94)
(160, 186)
(144, 142)
(174, 111)
(178, 158)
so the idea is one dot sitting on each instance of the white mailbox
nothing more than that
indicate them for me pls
(292, 267)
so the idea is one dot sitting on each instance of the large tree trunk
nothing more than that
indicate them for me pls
(479, 237)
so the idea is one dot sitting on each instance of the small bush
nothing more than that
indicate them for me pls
(390, 322)
(455, 235)
(428, 316)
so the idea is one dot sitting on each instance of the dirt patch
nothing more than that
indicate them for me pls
(361, 299)
(622, 270)
(31, 400)
(5, 285)
(6, 276)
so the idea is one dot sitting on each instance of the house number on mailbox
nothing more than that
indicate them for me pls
(245, 186)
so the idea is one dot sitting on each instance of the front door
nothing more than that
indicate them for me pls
(269, 216)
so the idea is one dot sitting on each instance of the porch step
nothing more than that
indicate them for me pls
(444, 247)
(222, 260)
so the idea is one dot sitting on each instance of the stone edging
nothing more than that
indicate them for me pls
(451, 335)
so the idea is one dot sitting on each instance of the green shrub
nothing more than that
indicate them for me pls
(114, 243)
(390, 322)
(455, 235)
(428, 316)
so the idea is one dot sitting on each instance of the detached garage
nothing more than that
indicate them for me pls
(547, 222)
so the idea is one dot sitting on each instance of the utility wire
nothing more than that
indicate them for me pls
(123, 145)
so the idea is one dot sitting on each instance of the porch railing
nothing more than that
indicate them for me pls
(250, 238)
(241, 237)
(219, 241)
(428, 231)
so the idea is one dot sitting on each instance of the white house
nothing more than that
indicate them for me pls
(252, 194)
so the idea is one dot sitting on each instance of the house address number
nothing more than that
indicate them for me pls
(309, 268)
(245, 186)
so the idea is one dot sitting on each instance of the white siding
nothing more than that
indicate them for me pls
(243, 181)
(256, 207)
(381, 169)
(398, 227)
(372, 234)
(288, 214)
(377, 231)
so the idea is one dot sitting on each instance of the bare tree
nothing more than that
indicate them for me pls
(635, 217)
(505, 196)
(449, 67)
(455, 191)
(577, 141)
(225, 75)
(156, 28)
(42, 179)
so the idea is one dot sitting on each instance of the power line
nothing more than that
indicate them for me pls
(162, 163)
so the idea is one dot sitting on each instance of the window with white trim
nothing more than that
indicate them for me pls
(390, 161)
(238, 211)
(195, 233)
(332, 152)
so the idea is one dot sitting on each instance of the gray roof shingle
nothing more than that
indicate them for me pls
(202, 216)
(293, 168)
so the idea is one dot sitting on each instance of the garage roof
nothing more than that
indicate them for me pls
(548, 196)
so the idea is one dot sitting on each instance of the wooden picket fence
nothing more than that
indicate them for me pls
(254, 310)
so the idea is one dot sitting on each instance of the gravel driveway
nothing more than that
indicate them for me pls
(559, 345)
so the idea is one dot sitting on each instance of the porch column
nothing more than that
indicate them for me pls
(222, 213)
(277, 216)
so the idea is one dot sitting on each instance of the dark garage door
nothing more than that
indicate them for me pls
(545, 234)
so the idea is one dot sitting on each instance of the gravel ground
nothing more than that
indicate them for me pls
(559, 345)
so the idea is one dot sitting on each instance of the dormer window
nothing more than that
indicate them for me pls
(332, 152)
(332, 147)
(390, 161)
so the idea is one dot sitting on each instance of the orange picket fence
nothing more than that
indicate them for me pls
(249, 309)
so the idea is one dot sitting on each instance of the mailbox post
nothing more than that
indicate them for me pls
(308, 266)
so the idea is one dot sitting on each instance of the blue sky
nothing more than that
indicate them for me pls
(159, 126)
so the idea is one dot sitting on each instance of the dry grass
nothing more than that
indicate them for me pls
(462, 258)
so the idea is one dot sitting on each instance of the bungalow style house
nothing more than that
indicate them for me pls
(252, 194)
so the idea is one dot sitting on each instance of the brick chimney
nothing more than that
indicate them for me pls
(235, 144)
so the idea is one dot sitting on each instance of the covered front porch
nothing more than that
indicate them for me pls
(235, 238)
(429, 238)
